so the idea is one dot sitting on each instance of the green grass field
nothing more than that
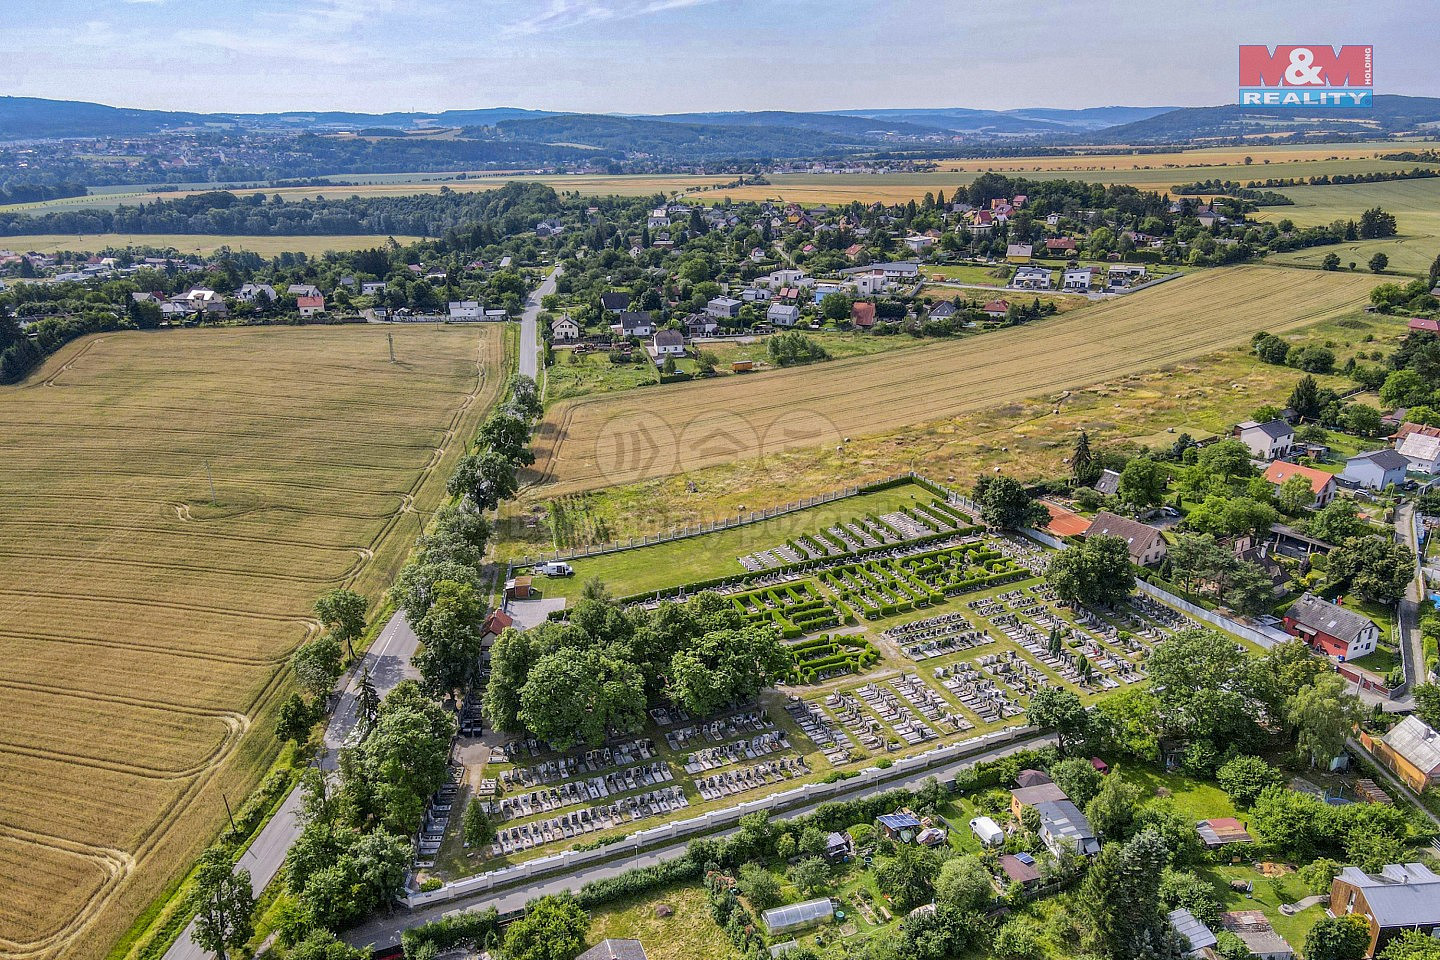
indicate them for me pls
(193, 243)
(577, 375)
(1415, 204)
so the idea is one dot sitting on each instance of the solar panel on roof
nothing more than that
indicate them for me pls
(1026, 859)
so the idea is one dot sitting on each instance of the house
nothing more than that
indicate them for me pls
(310, 306)
(722, 308)
(1023, 797)
(1124, 274)
(700, 325)
(862, 314)
(783, 315)
(1404, 428)
(1400, 897)
(996, 309)
(1195, 936)
(1322, 484)
(1109, 483)
(1219, 831)
(1031, 278)
(668, 343)
(616, 301)
(1412, 750)
(371, 287)
(303, 290)
(1063, 826)
(1020, 868)
(250, 292)
(896, 270)
(943, 310)
(1077, 279)
(1330, 628)
(1032, 778)
(1422, 451)
(497, 623)
(1060, 246)
(615, 949)
(636, 324)
(1423, 325)
(1019, 251)
(900, 827)
(1146, 544)
(1254, 930)
(919, 243)
(1376, 470)
(563, 328)
(838, 848)
(466, 310)
(200, 300)
(1267, 441)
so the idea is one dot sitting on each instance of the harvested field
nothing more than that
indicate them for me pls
(193, 243)
(144, 628)
(602, 441)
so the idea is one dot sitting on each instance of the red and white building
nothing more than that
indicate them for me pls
(1331, 629)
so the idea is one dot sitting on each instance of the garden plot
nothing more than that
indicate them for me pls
(937, 636)
(730, 782)
(833, 742)
(797, 608)
(526, 836)
(825, 657)
(981, 695)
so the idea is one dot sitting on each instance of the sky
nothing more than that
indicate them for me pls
(659, 56)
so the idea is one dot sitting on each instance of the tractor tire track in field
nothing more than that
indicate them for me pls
(114, 865)
(90, 345)
(208, 656)
(75, 558)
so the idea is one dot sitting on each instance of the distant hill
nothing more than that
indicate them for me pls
(1037, 121)
(843, 124)
(1391, 114)
(668, 139)
(30, 118)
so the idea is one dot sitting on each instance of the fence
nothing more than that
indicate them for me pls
(808, 793)
(757, 516)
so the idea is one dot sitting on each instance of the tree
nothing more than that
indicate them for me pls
(1378, 263)
(585, 696)
(1322, 716)
(1427, 703)
(1295, 494)
(553, 928)
(1017, 939)
(811, 876)
(1143, 483)
(1083, 468)
(1376, 223)
(1361, 419)
(1112, 810)
(223, 904)
(478, 827)
(1287, 821)
(1121, 898)
(1305, 398)
(508, 435)
(1005, 504)
(1270, 348)
(1059, 709)
(1404, 388)
(724, 666)
(964, 884)
(1231, 516)
(451, 639)
(1094, 572)
(791, 347)
(1378, 568)
(1331, 261)
(295, 719)
(484, 478)
(1411, 945)
(760, 886)
(525, 397)
(909, 875)
(1078, 778)
(1338, 938)
(343, 614)
(317, 666)
(1335, 522)
(1245, 777)
(835, 306)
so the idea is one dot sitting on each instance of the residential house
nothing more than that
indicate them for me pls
(895, 270)
(722, 308)
(1330, 628)
(1032, 778)
(466, 310)
(563, 329)
(1064, 523)
(1322, 484)
(615, 949)
(310, 306)
(1254, 930)
(1412, 750)
(1060, 246)
(1267, 441)
(1124, 274)
(1019, 251)
(1031, 278)
(1422, 451)
(203, 301)
(634, 324)
(1196, 938)
(919, 242)
(250, 292)
(1146, 544)
(862, 314)
(1403, 429)
(1423, 325)
(495, 624)
(1109, 483)
(1062, 825)
(700, 325)
(668, 343)
(370, 288)
(783, 315)
(303, 290)
(943, 310)
(996, 309)
(1077, 279)
(1400, 897)
(1376, 470)
(615, 301)
(1022, 797)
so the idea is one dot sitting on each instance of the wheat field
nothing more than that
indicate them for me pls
(613, 439)
(145, 624)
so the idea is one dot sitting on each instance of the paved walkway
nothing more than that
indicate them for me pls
(530, 329)
(385, 931)
(388, 661)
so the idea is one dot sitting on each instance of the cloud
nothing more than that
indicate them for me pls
(564, 14)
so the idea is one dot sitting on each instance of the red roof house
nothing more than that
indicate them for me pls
(1060, 245)
(1322, 484)
(862, 314)
(996, 308)
(1426, 325)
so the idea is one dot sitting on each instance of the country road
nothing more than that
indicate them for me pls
(388, 661)
(1412, 644)
(385, 931)
(530, 328)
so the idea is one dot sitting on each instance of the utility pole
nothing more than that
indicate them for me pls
(213, 499)
(233, 829)
(390, 339)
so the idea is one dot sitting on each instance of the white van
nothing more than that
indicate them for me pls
(555, 569)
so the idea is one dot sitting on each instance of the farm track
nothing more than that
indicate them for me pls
(624, 438)
(321, 434)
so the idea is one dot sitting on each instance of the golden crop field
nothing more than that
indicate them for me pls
(655, 432)
(144, 627)
(194, 243)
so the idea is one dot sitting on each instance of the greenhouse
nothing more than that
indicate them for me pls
(798, 915)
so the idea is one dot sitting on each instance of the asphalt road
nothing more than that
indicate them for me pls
(1411, 641)
(385, 931)
(388, 661)
(530, 328)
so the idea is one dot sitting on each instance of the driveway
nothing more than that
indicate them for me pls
(530, 327)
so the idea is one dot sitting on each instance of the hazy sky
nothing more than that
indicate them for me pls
(678, 55)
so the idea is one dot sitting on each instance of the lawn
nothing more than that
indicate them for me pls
(581, 374)
(689, 933)
(193, 244)
(146, 645)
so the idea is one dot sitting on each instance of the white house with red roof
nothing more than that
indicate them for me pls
(1322, 484)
